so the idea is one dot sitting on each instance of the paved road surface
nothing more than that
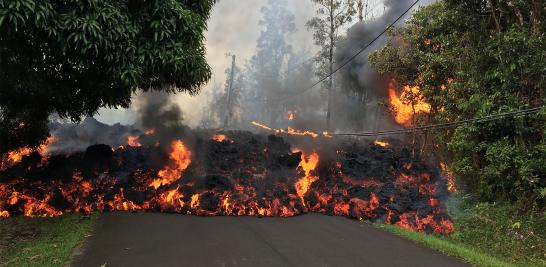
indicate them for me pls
(144, 239)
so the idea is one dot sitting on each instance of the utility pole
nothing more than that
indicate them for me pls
(229, 92)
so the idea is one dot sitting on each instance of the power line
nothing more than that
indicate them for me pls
(352, 57)
(524, 112)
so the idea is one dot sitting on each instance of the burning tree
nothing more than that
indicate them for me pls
(472, 59)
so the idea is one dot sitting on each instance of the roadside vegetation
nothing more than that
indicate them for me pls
(473, 59)
(42, 242)
(489, 235)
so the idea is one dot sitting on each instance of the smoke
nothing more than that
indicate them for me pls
(158, 113)
(358, 80)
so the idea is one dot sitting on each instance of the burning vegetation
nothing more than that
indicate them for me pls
(406, 105)
(232, 174)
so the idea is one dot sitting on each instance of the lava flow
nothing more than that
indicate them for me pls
(232, 174)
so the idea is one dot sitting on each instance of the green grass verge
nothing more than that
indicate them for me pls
(448, 247)
(43, 242)
(489, 235)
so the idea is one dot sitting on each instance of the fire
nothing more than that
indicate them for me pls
(451, 185)
(381, 144)
(263, 126)
(291, 131)
(291, 115)
(258, 177)
(133, 141)
(308, 165)
(404, 111)
(172, 199)
(17, 156)
(194, 201)
(149, 132)
(181, 158)
(220, 138)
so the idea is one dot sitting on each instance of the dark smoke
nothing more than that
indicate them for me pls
(358, 79)
(157, 111)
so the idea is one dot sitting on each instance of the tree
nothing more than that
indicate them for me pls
(332, 15)
(272, 53)
(473, 59)
(74, 57)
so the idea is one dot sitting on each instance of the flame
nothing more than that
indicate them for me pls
(308, 165)
(329, 191)
(451, 185)
(291, 131)
(265, 127)
(381, 144)
(194, 201)
(172, 199)
(181, 158)
(220, 138)
(291, 115)
(17, 155)
(404, 112)
(133, 141)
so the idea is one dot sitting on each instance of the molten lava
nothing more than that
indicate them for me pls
(220, 138)
(133, 141)
(407, 105)
(381, 144)
(181, 159)
(251, 175)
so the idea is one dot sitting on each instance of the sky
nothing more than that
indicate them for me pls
(232, 29)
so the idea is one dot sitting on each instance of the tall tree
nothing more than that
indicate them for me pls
(272, 52)
(74, 57)
(471, 59)
(332, 15)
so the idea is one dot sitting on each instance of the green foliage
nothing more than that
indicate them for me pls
(500, 230)
(490, 235)
(472, 60)
(73, 57)
(42, 242)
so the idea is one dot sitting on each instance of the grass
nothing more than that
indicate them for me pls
(448, 247)
(42, 242)
(490, 235)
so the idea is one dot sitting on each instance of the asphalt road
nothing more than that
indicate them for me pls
(145, 239)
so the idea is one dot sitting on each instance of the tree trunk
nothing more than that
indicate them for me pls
(331, 67)
(494, 15)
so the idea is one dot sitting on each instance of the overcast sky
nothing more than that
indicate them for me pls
(233, 28)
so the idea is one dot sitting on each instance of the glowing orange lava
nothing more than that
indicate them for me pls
(181, 157)
(381, 144)
(133, 141)
(404, 110)
(220, 138)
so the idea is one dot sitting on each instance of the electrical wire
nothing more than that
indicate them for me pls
(351, 58)
(524, 112)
